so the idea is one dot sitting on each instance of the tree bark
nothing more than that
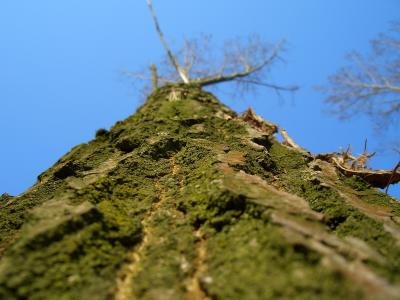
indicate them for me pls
(186, 200)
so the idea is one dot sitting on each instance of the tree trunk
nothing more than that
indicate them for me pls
(186, 200)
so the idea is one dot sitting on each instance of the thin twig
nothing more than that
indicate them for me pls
(154, 76)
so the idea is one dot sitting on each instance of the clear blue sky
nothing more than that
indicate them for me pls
(61, 64)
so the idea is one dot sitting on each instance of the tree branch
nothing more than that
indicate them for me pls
(178, 68)
(154, 75)
(370, 84)
(243, 63)
(291, 88)
(381, 87)
(249, 69)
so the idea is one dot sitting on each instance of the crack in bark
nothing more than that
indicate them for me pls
(195, 289)
(124, 289)
(132, 267)
(175, 172)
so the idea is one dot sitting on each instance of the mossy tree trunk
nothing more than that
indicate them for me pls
(186, 200)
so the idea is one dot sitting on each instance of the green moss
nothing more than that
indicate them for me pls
(14, 210)
(72, 256)
(288, 160)
(249, 260)
(102, 133)
(339, 216)
(154, 188)
(258, 163)
(123, 227)
(356, 183)
(372, 195)
(166, 260)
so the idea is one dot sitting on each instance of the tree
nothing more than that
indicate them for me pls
(370, 85)
(187, 200)
(245, 62)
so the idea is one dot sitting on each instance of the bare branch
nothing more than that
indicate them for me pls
(248, 70)
(178, 68)
(154, 74)
(289, 88)
(370, 85)
(245, 63)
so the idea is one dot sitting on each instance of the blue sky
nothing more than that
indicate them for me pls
(62, 64)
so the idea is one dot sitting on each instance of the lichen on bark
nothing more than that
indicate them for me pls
(186, 200)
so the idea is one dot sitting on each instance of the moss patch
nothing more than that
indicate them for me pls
(154, 209)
